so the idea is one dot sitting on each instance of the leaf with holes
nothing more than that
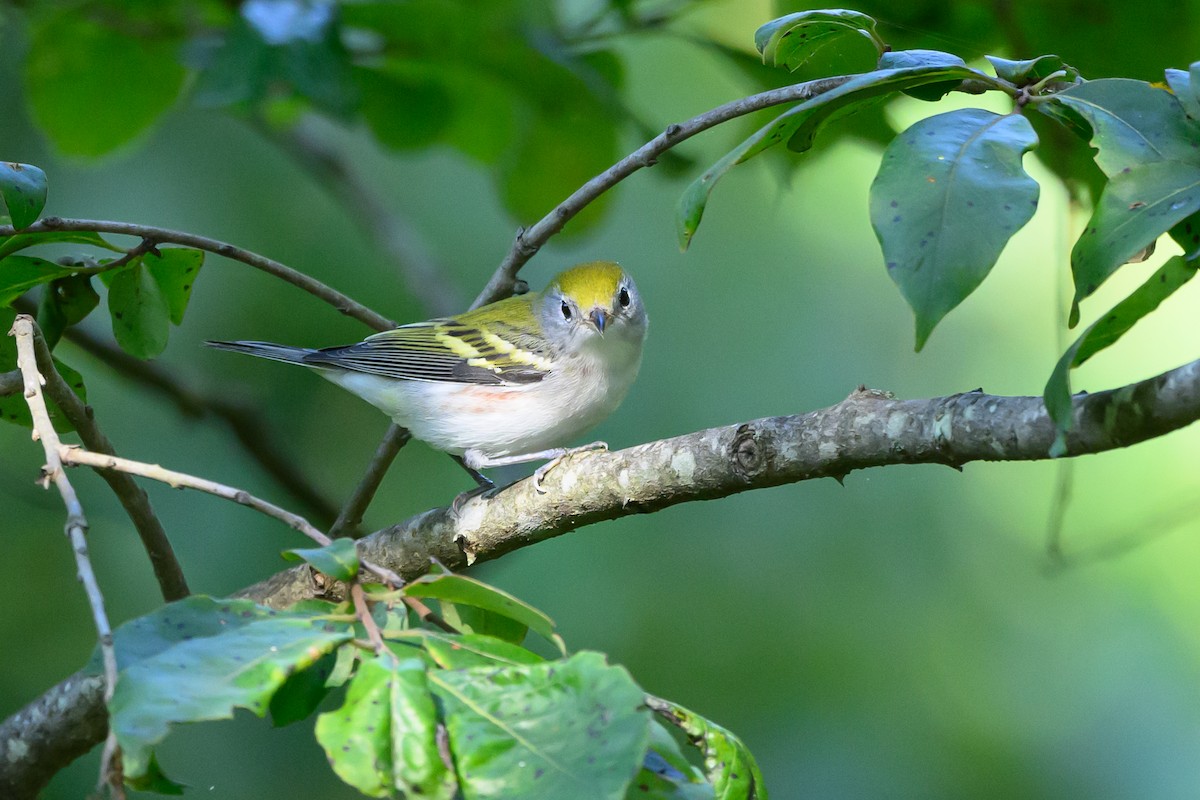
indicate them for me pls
(792, 40)
(384, 737)
(950, 193)
(206, 678)
(1103, 333)
(666, 774)
(799, 125)
(175, 270)
(23, 190)
(1135, 208)
(140, 316)
(730, 767)
(575, 728)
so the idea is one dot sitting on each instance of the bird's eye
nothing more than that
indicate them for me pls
(623, 297)
(566, 310)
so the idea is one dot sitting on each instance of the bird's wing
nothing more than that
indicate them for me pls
(444, 350)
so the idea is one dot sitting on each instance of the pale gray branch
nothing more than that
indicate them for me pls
(867, 429)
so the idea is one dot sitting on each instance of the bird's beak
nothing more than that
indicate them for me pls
(599, 319)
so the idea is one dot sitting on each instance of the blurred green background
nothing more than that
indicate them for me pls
(904, 635)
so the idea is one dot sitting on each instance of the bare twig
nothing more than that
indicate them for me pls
(350, 518)
(181, 480)
(868, 429)
(364, 616)
(529, 240)
(132, 497)
(246, 423)
(311, 285)
(76, 527)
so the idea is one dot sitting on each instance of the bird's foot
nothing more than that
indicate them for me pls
(540, 473)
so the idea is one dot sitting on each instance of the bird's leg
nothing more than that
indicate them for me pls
(474, 459)
(481, 479)
(485, 485)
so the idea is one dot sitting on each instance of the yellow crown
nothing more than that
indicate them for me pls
(592, 284)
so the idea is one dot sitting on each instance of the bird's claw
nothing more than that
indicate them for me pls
(540, 473)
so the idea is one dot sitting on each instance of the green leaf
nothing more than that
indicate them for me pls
(558, 151)
(404, 104)
(462, 590)
(13, 407)
(792, 40)
(384, 737)
(20, 241)
(666, 774)
(153, 780)
(575, 728)
(338, 560)
(730, 767)
(459, 651)
(19, 274)
(909, 59)
(799, 125)
(1028, 73)
(475, 620)
(1132, 123)
(92, 87)
(950, 193)
(1136, 207)
(194, 617)
(23, 190)
(302, 692)
(65, 302)
(1103, 333)
(1182, 85)
(207, 678)
(140, 315)
(175, 270)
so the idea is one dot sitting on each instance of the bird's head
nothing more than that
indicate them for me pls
(593, 302)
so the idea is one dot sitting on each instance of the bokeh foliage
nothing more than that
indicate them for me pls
(881, 634)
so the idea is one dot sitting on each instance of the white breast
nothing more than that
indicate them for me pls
(509, 419)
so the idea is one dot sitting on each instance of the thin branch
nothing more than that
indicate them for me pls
(73, 456)
(76, 526)
(868, 429)
(350, 518)
(529, 240)
(155, 235)
(132, 497)
(10, 382)
(245, 421)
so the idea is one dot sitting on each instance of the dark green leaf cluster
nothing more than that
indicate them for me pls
(148, 288)
(501, 82)
(951, 190)
(466, 712)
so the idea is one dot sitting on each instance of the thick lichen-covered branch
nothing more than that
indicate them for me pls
(867, 429)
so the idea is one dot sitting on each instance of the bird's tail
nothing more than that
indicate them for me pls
(275, 352)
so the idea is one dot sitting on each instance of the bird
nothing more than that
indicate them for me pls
(510, 382)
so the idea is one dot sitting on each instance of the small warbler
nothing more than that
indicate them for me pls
(506, 383)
